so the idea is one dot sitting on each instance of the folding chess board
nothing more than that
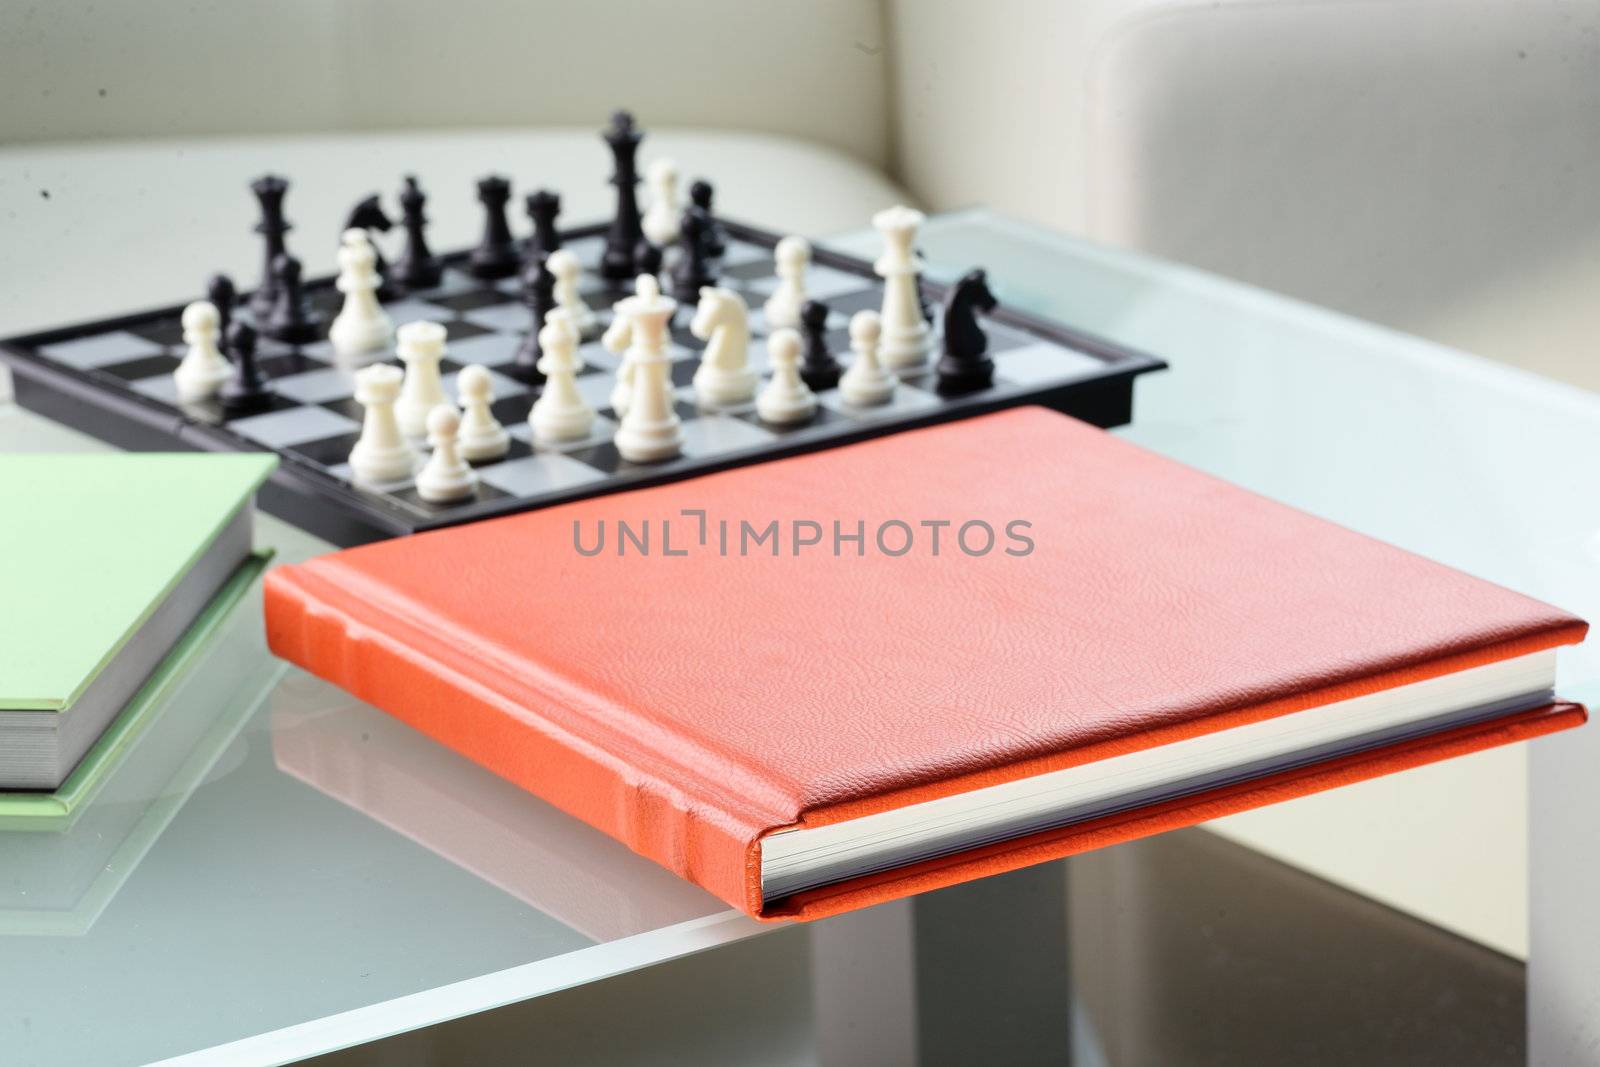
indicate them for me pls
(113, 379)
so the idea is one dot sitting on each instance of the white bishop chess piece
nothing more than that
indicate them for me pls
(786, 399)
(362, 326)
(792, 256)
(421, 349)
(866, 384)
(204, 368)
(651, 430)
(481, 437)
(660, 222)
(381, 453)
(724, 378)
(560, 413)
(906, 340)
(567, 270)
(446, 476)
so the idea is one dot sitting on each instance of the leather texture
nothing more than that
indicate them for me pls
(689, 705)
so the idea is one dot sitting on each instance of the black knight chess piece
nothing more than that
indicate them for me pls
(818, 367)
(965, 366)
(246, 392)
(417, 267)
(269, 190)
(543, 207)
(618, 263)
(291, 320)
(701, 193)
(368, 214)
(539, 297)
(496, 254)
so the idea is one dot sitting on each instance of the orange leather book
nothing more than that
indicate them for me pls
(774, 682)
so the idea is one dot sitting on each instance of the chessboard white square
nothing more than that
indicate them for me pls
(738, 253)
(316, 386)
(541, 472)
(456, 281)
(489, 349)
(501, 386)
(596, 389)
(906, 399)
(712, 435)
(160, 387)
(822, 283)
(601, 431)
(102, 350)
(1043, 362)
(588, 250)
(412, 309)
(280, 429)
(595, 354)
(500, 317)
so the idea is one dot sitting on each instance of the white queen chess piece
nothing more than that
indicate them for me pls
(381, 453)
(481, 436)
(362, 326)
(866, 384)
(651, 430)
(786, 399)
(421, 349)
(724, 377)
(792, 257)
(567, 270)
(560, 413)
(905, 339)
(660, 222)
(446, 476)
(204, 368)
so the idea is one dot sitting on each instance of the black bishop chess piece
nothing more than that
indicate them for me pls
(496, 255)
(543, 207)
(221, 293)
(965, 366)
(368, 214)
(818, 367)
(539, 297)
(417, 267)
(692, 270)
(246, 393)
(291, 319)
(269, 190)
(622, 239)
(701, 193)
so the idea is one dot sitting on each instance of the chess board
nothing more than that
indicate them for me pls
(113, 379)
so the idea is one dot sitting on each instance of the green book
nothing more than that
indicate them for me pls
(107, 560)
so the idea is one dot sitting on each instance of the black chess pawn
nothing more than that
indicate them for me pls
(693, 269)
(417, 267)
(291, 320)
(543, 207)
(965, 365)
(622, 239)
(700, 195)
(368, 214)
(269, 190)
(496, 255)
(246, 392)
(221, 293)
(539, 297)
(818, 367)
(647, 257)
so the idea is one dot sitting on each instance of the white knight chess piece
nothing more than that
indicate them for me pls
(724, 377)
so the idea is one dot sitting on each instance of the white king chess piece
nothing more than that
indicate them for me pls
(906, 340)
(382, 453)
(660, 222)
(421, 349)
(203, 369)
(651, 430)
(792, 257)
(724, 378)
(560, 413)
(362, 326)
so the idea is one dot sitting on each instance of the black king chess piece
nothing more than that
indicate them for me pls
(369, 215)
(246, 392)
(417, 267)
(818, 367)
(618, 264)
(543, 207)
(269, 190)
(965, 365)
(539, 297)
(496, 255)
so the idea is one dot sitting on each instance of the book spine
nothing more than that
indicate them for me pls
(625, 796)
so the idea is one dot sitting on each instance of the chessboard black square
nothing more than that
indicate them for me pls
(346, 406)
(824, 416)
(327, 451)
(509, 410)
(163, 331)
(410, 497)
(287, 363)
(850, 303)
(472, 299)
(682, 371)
(518, 450)
(133, 370)
(461, 329)
(749, 272)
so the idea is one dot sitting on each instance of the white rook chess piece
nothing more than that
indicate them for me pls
(793, 256)
(421, 348)
(481, 437)
(660, 222)
(446, 476)
(906, 339)
(362, 326)
(651, 430)
(560, 413)
(866, 384)
(618, 340)
(382, 453)
(786, 398)
(566, 268)
(203, 369)
(724, 377)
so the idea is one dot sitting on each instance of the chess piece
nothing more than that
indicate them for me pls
(692, 272)
(292, 321)
(445, 477)
(269, 190)
(793, 256)
(246, 393)
(785, 400)
(660, 223)
(647, 258)
(496, 254)
(543, 206)
(651, 430)
(566, 270)
(481, 436)
(368, 215)
(965, 366)
(724, 378)
(818, 368)
(203, 369)
(421, 349)
(866, 384)
(560, 413)
(700, 194)
(906, 339)
(618, 263)
(538, 296)
(362, 326)
(381, 454)
(618, 340)
(220, 291)
(417, 267)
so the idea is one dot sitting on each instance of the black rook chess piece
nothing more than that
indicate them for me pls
(369, 215)
(622, 238)
(818, 368)
(291, 319)
(965, 365)
(220, 291)
(543, 207)
(269, 190)
(496, 256)
(417, 268)
(692, 270)
(246, 392)
(700, 194)
(539, 297)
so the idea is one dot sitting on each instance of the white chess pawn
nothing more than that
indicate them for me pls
(421, 348)
(786, 399)
(481, 437)
(660, 222)
(560, 413)
(793, 256)
(618, 340)
(724, 377)
(905, 340)
(651, 430)
(446, 476)
(567, 270)
(866, 384)
(204, 368)
(382, 453)
(362, 326)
